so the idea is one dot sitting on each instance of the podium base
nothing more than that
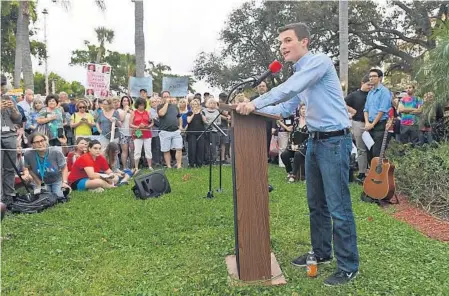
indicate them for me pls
(277, 277)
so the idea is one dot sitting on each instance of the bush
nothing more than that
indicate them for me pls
(422, 174)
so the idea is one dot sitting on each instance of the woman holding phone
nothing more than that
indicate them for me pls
(51, 120)
(82, 121)
(141, 122)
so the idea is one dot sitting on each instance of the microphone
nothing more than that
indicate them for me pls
(273, 68)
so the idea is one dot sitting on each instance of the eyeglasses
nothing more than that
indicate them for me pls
(39, 142)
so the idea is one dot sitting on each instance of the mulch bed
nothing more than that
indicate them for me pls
(420, 220)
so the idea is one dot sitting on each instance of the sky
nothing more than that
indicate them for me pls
(175, 32)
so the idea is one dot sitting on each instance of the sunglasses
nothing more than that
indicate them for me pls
(82, 107)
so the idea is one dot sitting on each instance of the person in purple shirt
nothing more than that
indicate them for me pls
(315, 83)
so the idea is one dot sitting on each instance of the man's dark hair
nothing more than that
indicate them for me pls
(365, 79)
(206, 94)
(140, 101)
(142, 90)
(51, 97)
(379, 72)
(301, 30)
(165, 91)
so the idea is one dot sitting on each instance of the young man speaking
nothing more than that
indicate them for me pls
(315, 82)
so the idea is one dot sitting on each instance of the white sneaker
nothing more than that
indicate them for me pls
(97, 190)
(151, 168)
(291, 180)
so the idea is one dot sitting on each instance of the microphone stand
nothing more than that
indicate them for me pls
(220, 189)
(208, 129)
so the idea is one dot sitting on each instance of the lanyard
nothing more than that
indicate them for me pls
(41, 166)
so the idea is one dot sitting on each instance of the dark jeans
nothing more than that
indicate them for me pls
(409, 134)
(211, 137)
(8, 173)
(329, 199)
(377, 133)
(298, 162)
(196, 149)
(156, 150)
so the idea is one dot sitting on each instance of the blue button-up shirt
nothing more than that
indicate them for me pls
(316, 84)
(378, 100)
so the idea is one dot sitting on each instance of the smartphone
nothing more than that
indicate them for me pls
(60, 133)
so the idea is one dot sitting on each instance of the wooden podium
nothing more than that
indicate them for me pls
(253, 260)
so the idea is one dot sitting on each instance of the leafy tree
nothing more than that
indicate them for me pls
(61, 84)
(103, 35)
(250, 33)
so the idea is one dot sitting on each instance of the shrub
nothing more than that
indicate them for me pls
(422, 174)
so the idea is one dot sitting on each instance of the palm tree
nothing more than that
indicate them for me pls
(139, 38)
(23, 52)
(344, 40)
(103, 35)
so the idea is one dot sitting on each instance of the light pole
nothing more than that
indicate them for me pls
(45, 12)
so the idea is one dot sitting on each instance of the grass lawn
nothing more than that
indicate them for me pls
(112, 244)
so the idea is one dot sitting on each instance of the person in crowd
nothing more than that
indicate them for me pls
(111, 155)
(126, 140)
(27, 107)
(327, 175)
(45, 166)
(410, 108)
(427, 119)
(296, 148)
(155, 140)
(85, 173)
(225, 123)
(104, 123)
(376, 111)
(196, 121)
(116, 101)
(82, 121)
(10, 118)
(284, 128)
(183, 110)
(141, 122)
(34, 115)
(68, 132)
(170, 125)
(355, 102)
(80, 149)
(51, 119)
(212, 138)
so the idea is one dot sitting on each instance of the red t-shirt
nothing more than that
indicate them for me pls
(71, 158)
(99, 164)
(143, 117)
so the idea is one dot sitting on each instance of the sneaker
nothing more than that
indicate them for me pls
(301, 261)
(151, 168)
(340, 277)
(291, 180)
(97, 190)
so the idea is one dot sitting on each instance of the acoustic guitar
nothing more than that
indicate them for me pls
(379, 184)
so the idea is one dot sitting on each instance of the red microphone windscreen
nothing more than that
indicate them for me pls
(275, 66)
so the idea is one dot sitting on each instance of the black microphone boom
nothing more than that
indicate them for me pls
(262, 78)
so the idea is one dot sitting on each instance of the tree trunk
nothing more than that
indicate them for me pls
(98, 59)
(28, 77)
(344, 40)
(139, 38)
(19, 47)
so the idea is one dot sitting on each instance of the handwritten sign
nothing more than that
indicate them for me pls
(98, 80)
(138, 83)
(177, 86)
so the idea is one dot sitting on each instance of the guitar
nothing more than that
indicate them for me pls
(379, 183)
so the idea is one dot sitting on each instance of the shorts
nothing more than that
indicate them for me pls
(170, 140)
(225, 139)
(80, 184)
(125, 139)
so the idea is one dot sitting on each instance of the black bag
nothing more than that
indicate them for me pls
(30, 203)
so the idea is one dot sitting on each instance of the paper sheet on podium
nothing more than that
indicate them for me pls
(367, 139)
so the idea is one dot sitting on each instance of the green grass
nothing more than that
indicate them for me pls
(112, 244)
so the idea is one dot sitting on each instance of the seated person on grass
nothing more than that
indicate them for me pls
(111, 155)
(45, 166)
(85, 173)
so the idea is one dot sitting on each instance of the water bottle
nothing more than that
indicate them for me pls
(312, 265)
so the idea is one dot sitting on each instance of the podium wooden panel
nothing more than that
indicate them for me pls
(251, 202)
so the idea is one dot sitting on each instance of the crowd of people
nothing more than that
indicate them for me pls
(86, 144)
